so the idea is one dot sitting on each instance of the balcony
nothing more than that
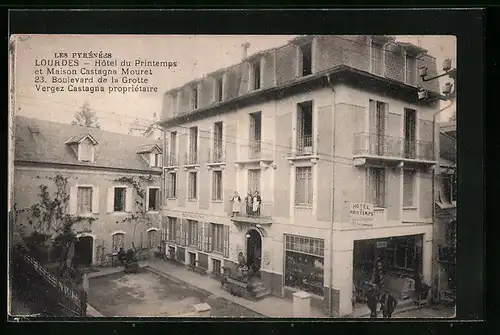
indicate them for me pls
(263, 216)
(305, 148)
(254, 149)
(191, 159)
(171, 160)
(216, 157)
(446, 254)
(378, 148)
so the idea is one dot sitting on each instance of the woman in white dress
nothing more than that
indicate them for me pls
(236, 201)
(256, 204)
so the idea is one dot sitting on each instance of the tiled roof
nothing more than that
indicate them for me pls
(48, 145)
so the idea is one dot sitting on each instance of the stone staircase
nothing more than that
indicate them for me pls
(257, 289)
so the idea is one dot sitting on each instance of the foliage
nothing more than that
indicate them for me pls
(51, 222)
(139, 215)
(86, 117)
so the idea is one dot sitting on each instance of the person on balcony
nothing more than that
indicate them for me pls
(248, 202)
(256, 204)
(236, 201)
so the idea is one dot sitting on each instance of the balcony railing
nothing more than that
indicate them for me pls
(216, 155)
(263, 213)
(305, 146)
(377, 145)
(172, 160)
(418, 150)
(254, 149)
(191, 158)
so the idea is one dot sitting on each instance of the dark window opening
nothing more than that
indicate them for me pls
(304, 127)
(154, 199)
(306, 51)
(195, 97)
(119, 203)
(218, 89)
(256, 75)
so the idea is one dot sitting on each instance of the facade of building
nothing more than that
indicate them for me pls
(446, 216)
(100, 168)
(316, 127)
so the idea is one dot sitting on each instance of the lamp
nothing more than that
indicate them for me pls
(447, 88)
(247, 235)
(422, 94)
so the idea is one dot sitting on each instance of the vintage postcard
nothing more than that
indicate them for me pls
(307, 176)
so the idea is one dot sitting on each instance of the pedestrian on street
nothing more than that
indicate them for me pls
(388, 304)
(372, 303)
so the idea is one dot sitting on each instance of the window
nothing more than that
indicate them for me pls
(216, 266)
(256, 76)
(171, 228)
(219, 89)
(86, 151)
(410, 128)
(193, 145)
(376, 187)
(217, 238)
(84, 200)
(172, 185)
(152, 239)
(193, 187)
(303, 186)
(304, 262)
(377, 61)
(157, 160)
(449, 188)
(306, 59)
(119, 203)
(118, 241)
(377, 139)
(172, 157)
(304, 128)
(253, 180)
(408, 188)
(411, 70)
(154, 199)
(192, 233)
(217, 185)
(255, 134)
(402, 253)
(217, 154)
(194, 97)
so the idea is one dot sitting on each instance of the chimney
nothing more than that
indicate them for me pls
(244, 49)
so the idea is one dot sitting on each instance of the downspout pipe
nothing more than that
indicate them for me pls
(330, 303)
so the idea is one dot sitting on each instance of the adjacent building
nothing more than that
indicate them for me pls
(446, 216)
(319, 127)
(102, 169)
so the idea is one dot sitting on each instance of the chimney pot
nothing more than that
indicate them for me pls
(244, 48)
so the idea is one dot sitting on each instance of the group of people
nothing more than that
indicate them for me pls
(252, 204)
(387, 303)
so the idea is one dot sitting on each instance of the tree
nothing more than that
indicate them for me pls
(140, 214)
(86, 117)
(51, 224)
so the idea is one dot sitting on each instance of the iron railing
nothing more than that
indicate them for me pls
(377, 145)
(305, 146)
(216, 155)
(191, 158)
(254, 149)
(264, 210)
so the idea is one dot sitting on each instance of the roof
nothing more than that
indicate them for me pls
(49, 145)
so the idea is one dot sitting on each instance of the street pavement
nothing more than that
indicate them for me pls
(432, 312)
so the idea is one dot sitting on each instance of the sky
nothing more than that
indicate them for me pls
(195, 57)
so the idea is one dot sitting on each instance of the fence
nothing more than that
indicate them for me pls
(65, 299)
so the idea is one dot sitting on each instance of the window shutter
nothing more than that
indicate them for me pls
(383, 185)
(372, 126)
(178, 231)
(200, 236)
(73, 199)
(111, 199)
(95, 199)
(157, 200)
(209, 240)
(226, 242)
(129, 199)
(166, 228)
(205, 236)
(184, 234)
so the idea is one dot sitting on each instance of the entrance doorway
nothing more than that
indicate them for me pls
(254, 250)
(83, 251)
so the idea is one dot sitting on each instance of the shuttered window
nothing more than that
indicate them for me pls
(172, 185)
(408, 188)
(376, 187)
(253, 180)
(303, 186)
(84, 200)
(119, 199)
(193, 185)
(192, 232)
(217, 185)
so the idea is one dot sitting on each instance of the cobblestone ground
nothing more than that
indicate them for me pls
(148, 294)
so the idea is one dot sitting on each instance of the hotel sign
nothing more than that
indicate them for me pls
(361, 214)
(192, 216)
